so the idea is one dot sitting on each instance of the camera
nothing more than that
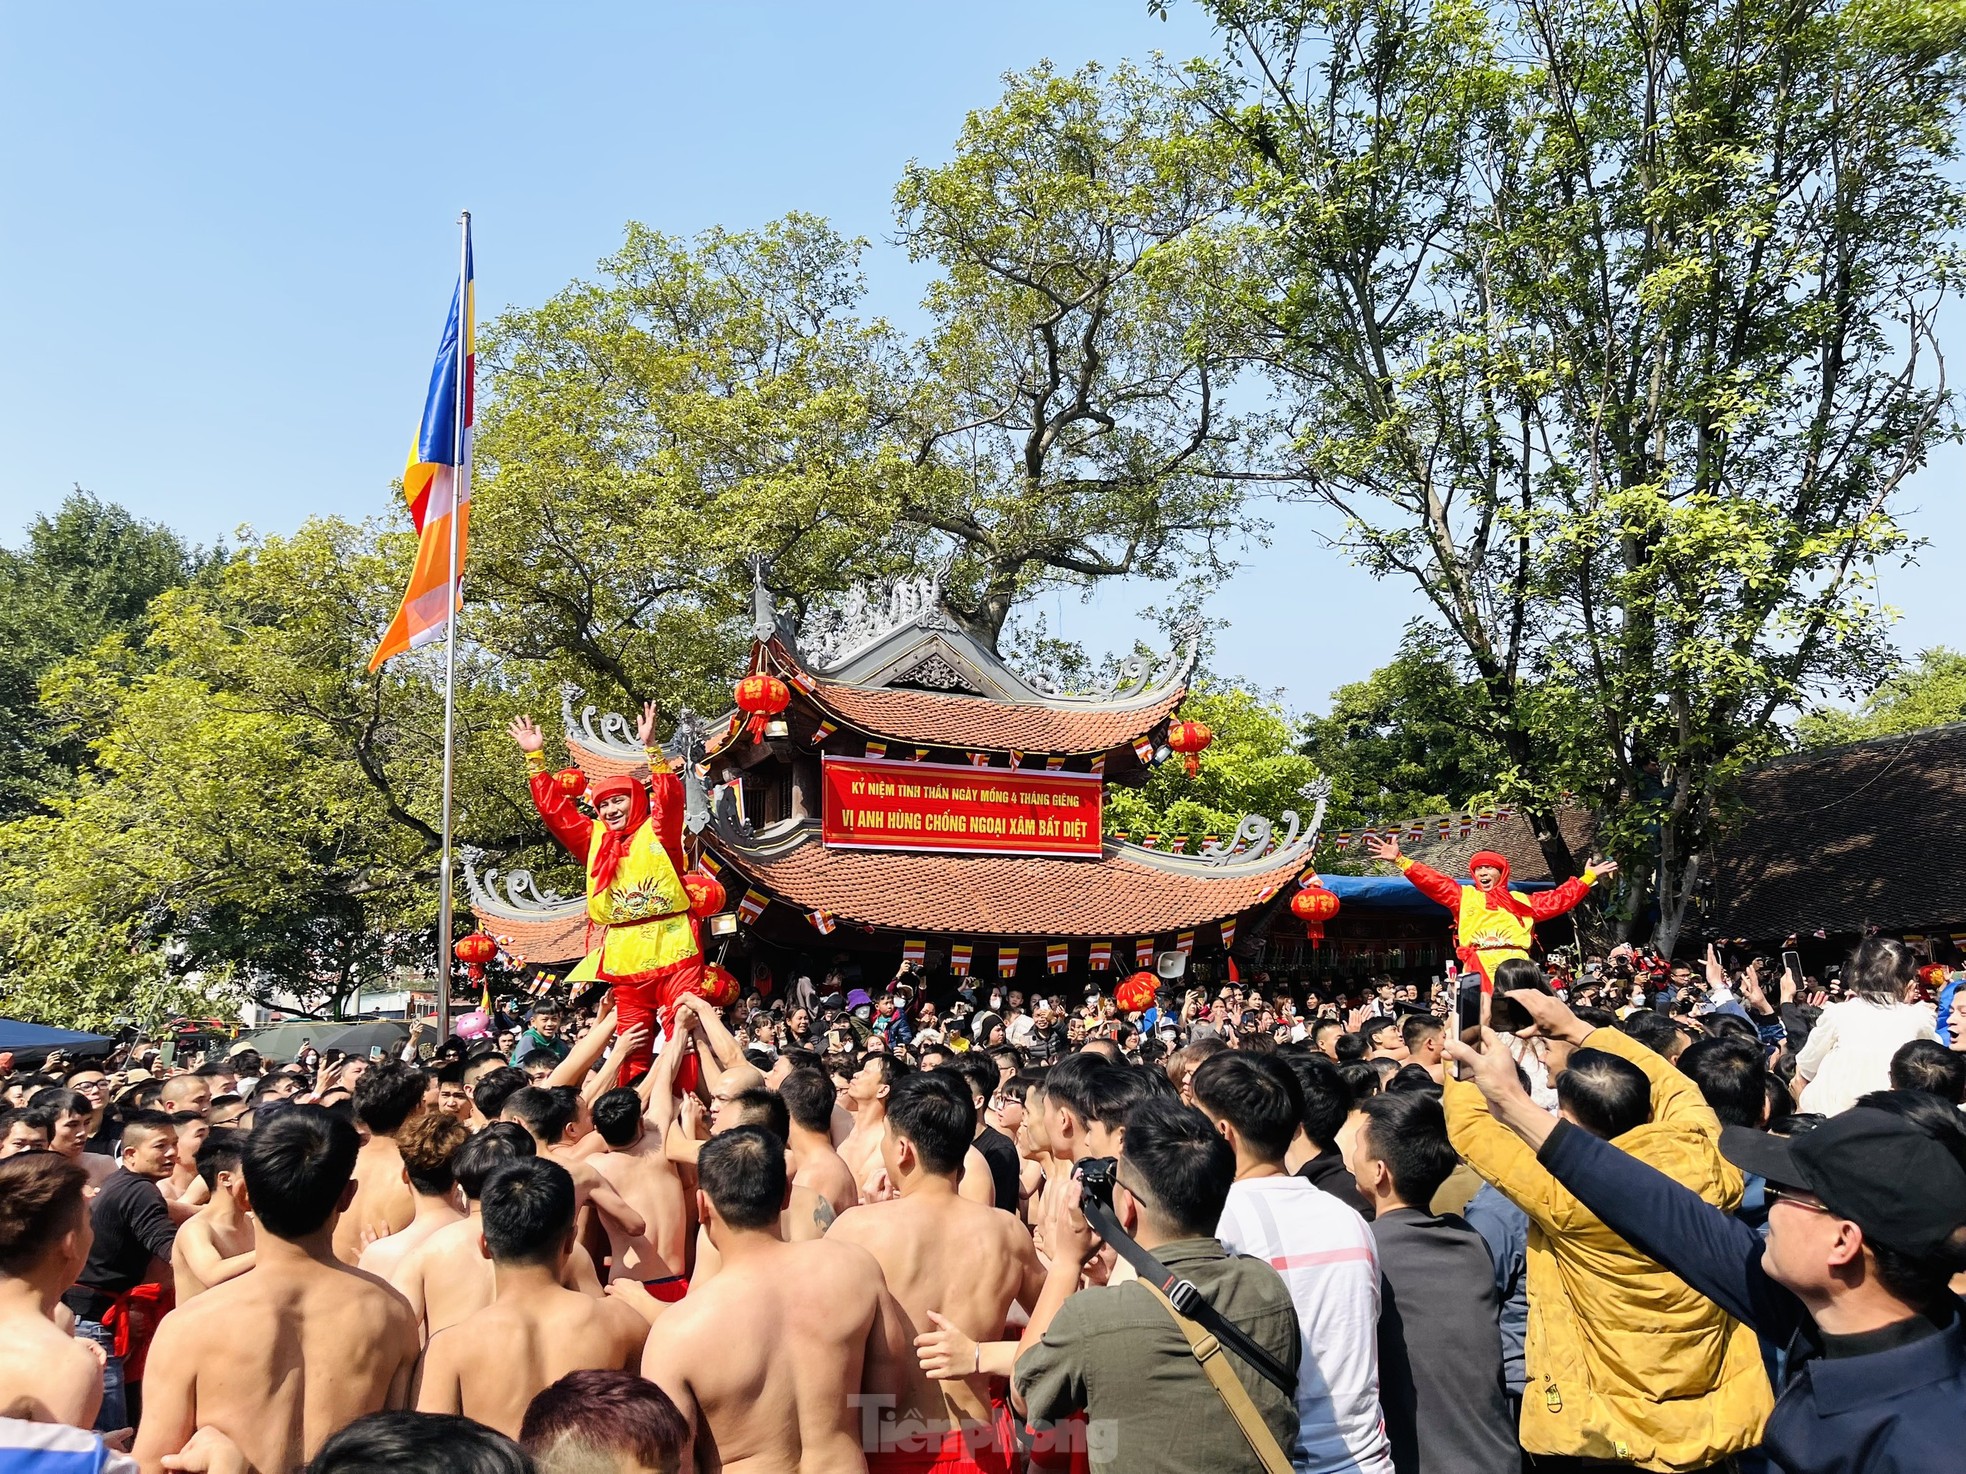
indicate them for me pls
(1097, 1177)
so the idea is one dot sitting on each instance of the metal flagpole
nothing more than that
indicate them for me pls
(458, 474)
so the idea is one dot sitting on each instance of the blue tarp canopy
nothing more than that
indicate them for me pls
(14, 1034)
(1397, 893)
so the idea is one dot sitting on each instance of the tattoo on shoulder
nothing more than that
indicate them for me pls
(823, 1214)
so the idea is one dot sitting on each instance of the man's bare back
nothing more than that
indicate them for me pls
(277, 1360)
(766, 1360)
(822, 1189)
(447, 1277)
(648, 1182)
(383, 1203)
(210, 1249)
(944, 1253)
(47, 1375)
(386, 1256)
(495, 1361)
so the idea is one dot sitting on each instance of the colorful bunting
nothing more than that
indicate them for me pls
(1144, 750)
(1184, 942)
(1100, 959)
(1058, 956)
(877, 749)
(822, 732)
(822, 922)
(913, 951)
(752, 906)
(1229, 934)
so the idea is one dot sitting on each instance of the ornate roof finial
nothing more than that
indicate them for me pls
(764, 609)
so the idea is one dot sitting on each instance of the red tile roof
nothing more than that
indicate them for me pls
(549, 938)
(978, 723)
(1007, 895)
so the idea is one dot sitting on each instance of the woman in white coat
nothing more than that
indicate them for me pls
(1849, 1051)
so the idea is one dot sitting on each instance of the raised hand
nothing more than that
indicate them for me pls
(945, 1353)
(645, 728)
(525, 731)
(1550, 1018)
(1383, 847)
(1602, 868)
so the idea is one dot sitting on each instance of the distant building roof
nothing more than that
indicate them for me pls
(1514, 839)
(1847, 838)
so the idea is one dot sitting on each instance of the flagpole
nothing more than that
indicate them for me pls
(458, 473)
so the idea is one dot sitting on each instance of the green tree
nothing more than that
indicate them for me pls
(1931, 693)
(87, 572)
(1612, 330)
(1071, 420)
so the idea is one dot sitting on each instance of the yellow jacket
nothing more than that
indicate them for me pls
(1623, 1359)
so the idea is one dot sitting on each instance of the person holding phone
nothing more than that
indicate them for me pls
(1491, 922)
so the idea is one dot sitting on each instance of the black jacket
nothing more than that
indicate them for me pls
(1328, 1173)
(1890, 1402)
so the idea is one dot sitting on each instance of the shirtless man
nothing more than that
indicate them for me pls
(949, 1262)
(447, 1277)
(427, 1145)
(634, 1123)
(765, 1362)
(279, 1359)
(558, 1118)
(822, 1183)
(47, 1375)
(491, 1364)
(861, 1151)
(216, 1244)
(388, 1094)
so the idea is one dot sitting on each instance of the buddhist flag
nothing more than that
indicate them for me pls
(709, 863)
(1100, 959)
(979, 759)
(822, 922)
(1143, 953)
(437, 483)
(752, 906)
(1099, 765)
(822, 732)
(1179, 844)
(1144, 750)
(913, 951)
(1053, 763)
(1229, 934)
(1058, 956)
(920, 753)
(803, 681)
(876, 749)
(1184, 942)
(959, 956)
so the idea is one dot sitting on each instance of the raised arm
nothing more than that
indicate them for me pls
(726, 1052)
(568, 825)
(1428, 881)
(658, 1087)
(1545, 904)
(580, 1059)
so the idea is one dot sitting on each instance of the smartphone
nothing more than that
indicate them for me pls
(167, 1054)
(1467, 1010)
(1506, 1016)
(375, 1052)
(1793, 962)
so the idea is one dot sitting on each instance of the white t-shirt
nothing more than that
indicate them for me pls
(1327, 1258)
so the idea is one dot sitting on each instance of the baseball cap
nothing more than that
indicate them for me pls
(1895, 1182)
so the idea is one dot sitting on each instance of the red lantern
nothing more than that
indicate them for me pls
(719, 986)
(706, 893)
(763, 697)
(1137, 993)
(1935, 974)
(1314, 905)
(572, 782)
(474, 951)
(1191, 740)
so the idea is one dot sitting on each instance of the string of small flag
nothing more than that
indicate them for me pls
(1409, 831)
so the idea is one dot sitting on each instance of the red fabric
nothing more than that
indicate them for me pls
(971, 1450)
(575, 831)
(1061, 1446)
(650, 998)
(1559, 899)
(669, 1290)
(132, 1317)
(613, 847)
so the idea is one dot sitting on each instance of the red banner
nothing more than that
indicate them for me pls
(876, 804)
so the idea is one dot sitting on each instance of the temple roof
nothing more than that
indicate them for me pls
(980, 724)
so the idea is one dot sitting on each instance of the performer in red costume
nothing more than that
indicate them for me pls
(650, 952)
(1491, 922)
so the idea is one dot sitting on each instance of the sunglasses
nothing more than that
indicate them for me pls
(1776, 1195)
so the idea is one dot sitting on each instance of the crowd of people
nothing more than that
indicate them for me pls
(1624, 1214)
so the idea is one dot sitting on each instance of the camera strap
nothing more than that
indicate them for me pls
(1186, 1298)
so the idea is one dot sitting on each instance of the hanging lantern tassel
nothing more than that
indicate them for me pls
(1191, 740)
(762, 697)
(1314, 905)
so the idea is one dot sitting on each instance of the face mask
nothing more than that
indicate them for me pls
(863, 1013)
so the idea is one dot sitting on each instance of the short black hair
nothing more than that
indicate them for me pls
(60, 1099)
(1115, 1092)
(1327, 1098)
(763, 1108)
(618, 1116)
(491, 1090)
(488, 1150)
(1362, 1079)
(808, 1094)
(419, 1443)
(1259, 1097)
(546, 1113)
(1070, 1083)
(1927, 1065)
(1177, 1163)
(1417, 1026)
(1605, 1093)
(1655, 1031)
(1370, 1031)
(1731, 1075)
(387, 1093)
(1407, 1130)
(978, 1071)
(1408, 1078)
(742, 1172)
(1350, 1048)
(933, 1110)
(527, 1210)
(220, 1151)
(157, 1121)
(296, 1166)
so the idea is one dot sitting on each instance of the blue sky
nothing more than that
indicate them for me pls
(226, 242)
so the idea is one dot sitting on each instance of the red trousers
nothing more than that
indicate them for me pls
(650, 998)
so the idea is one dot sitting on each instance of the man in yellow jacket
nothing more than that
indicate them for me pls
(1623, 1360)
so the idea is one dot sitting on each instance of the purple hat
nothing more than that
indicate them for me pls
(858, 999)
